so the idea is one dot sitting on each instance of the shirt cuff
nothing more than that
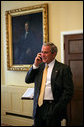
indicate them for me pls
(34, 67)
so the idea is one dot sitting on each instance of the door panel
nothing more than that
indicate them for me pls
(77, 70)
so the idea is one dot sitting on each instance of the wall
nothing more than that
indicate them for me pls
(64, 16)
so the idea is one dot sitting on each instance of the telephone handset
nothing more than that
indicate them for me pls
(40, 58)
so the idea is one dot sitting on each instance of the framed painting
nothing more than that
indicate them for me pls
(26, 30)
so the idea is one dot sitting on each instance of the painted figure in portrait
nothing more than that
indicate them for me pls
(27, 38)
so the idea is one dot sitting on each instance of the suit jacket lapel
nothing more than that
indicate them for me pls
(54, 73)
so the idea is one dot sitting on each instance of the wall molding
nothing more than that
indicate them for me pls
(18, 115)
(62, 40)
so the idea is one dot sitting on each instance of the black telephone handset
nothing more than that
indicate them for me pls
(40, 58)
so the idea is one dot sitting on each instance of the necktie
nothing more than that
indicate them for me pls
(40, 99)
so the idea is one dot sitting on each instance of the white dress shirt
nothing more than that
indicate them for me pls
(26, 35)
(48, 92)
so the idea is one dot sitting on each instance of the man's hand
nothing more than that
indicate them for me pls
(38, 60)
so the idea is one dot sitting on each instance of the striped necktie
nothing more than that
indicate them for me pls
(41, 96)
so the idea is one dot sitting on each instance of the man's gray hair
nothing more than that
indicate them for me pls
(53, 47)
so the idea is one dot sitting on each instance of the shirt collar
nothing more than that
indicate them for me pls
(27, 32)
(51, 63)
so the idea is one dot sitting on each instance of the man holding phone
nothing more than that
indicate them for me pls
(51, 95)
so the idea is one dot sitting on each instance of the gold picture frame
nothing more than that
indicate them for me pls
(38, 17)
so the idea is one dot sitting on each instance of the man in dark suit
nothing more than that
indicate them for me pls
(58, 87)
(27, 47)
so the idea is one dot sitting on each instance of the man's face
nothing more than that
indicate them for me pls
(26, 27)
(46, 54)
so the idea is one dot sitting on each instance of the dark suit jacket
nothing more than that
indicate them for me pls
(61, 85)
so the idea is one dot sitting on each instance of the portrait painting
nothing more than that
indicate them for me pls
(27, 29)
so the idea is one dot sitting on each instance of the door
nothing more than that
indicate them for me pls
(73, 56)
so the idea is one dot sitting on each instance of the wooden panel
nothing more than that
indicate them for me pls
(76, 46)
(77, 109)
(16, 102)
(12, 103)
(27, 107)
(77, 70)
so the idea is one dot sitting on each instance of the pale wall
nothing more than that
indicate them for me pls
(63, 16)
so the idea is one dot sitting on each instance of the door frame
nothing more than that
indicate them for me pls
(62, 40)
